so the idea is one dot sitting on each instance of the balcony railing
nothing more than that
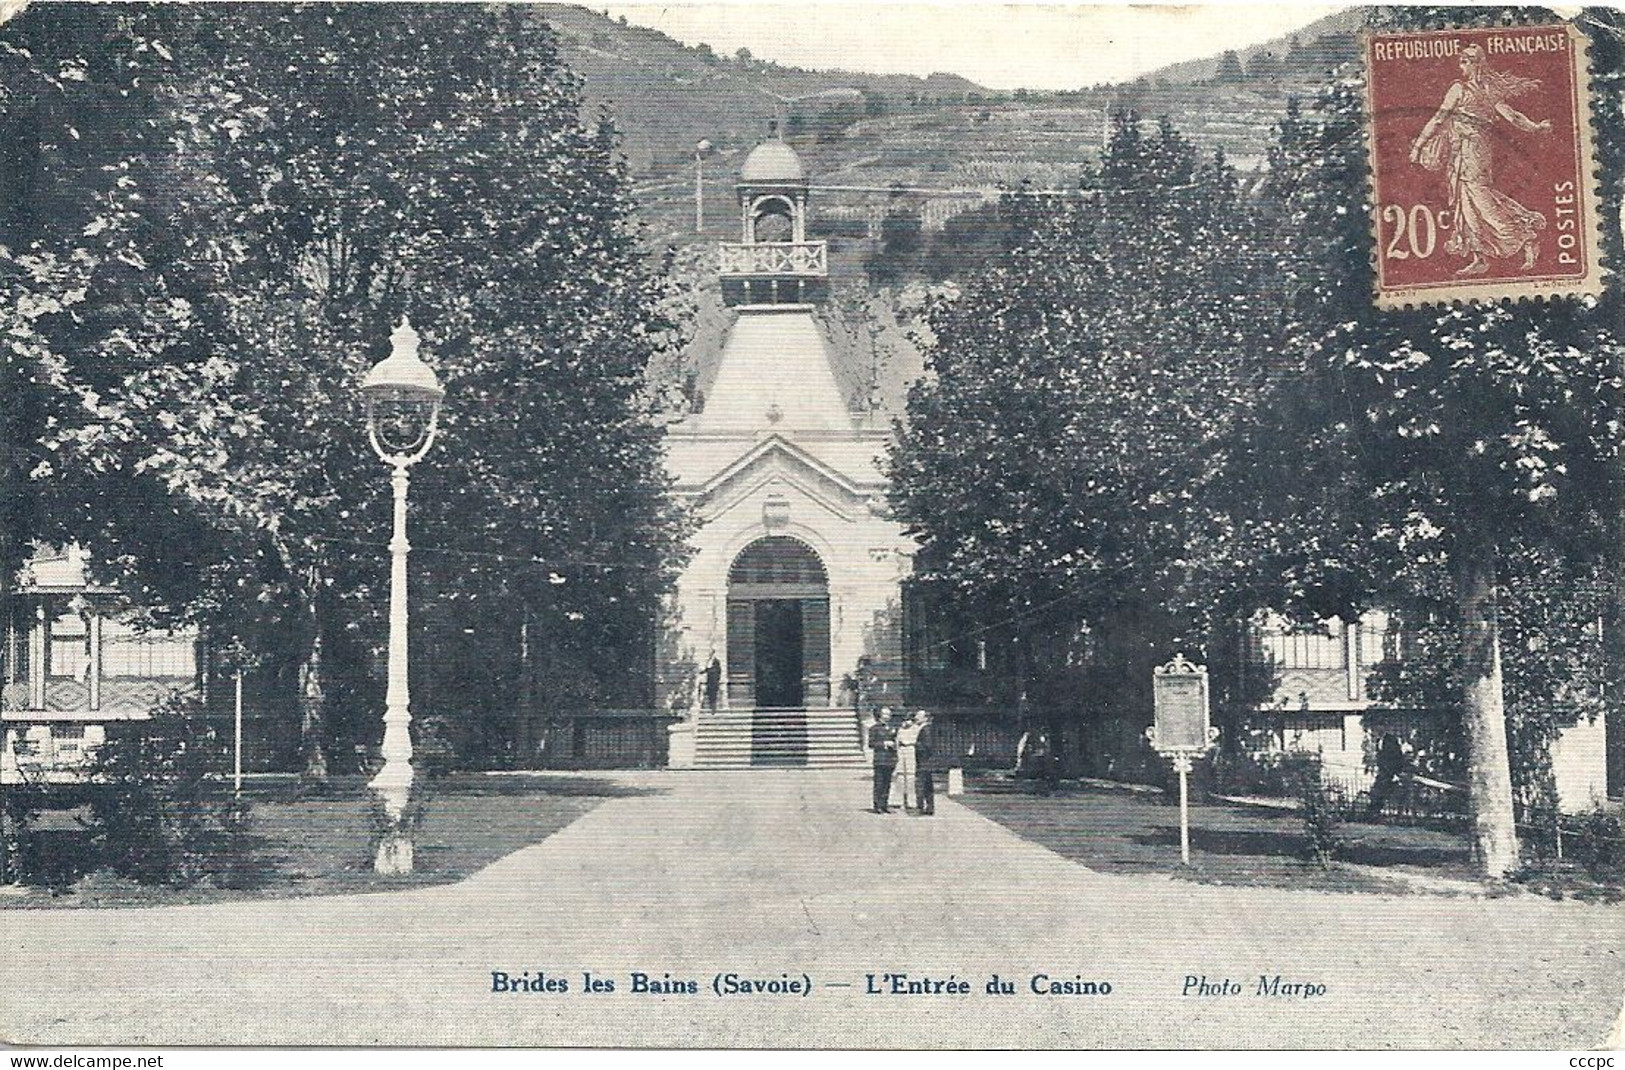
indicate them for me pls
(808, 259)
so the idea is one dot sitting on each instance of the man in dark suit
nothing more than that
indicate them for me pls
(713, 682)
(1390, 765)
(883, 750)
(925, 789)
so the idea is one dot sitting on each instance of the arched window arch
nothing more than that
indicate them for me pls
(778, 625)
(777, 561)
(772, 219)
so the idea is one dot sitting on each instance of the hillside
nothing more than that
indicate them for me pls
(874, 132)
(879, 146)
(1339, 28)
(666, 96)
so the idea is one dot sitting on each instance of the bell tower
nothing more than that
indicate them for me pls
(773, 263)
(796, 573)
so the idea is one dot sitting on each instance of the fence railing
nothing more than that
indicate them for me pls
(809, 258)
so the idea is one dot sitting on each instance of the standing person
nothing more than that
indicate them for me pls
(1033, 755)
(907, 760)
(866, 684)
(1052, 762)
(1390, 764)
(1023, 746)
(713, 681)
(925, 746)
(883, 752)
(847, 695)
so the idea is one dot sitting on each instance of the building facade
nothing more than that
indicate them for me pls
(1321, 704)
(74, 665)
(792, 599)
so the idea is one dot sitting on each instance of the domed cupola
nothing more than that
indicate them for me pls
(773, 163)
(773, 263)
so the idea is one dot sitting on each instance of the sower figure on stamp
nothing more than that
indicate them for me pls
(1456, 141)
(883, 751)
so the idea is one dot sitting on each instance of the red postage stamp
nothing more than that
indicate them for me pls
(1481, 165)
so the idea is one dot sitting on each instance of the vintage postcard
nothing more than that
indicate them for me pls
(822, 526)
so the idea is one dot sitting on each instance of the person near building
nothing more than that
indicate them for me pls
(1390, 764)
(713, 681)
(846, 696)
(908, 734)
(883, 752)
(865, 685)
(925, 740)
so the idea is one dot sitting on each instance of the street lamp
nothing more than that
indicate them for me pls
(700, 149)
(403, 412)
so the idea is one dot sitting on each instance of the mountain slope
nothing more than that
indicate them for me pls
(878, 146)
(1341, 24)
(666, 96)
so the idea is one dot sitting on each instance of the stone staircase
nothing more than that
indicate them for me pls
(744, 739)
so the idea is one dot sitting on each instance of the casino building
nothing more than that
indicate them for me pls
(796, 590)
(795, 584)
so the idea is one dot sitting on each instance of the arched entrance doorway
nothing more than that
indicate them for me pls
(778, 626)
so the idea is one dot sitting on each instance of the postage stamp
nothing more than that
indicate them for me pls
(1481, 165)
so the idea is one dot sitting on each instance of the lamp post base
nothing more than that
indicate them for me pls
(393, 789)
(394, 854)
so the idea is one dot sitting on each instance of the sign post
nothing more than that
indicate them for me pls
(237, 735)
(1181, 730)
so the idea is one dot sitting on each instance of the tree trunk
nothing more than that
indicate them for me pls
(311, 723)
(10, 865)
(1489, 780)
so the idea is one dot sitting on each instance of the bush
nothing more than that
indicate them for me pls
(1599, 844)
(50, 858)
(1320, 805)
(1322, 809)
(1270, 773)
(19, 809)
(157, 813)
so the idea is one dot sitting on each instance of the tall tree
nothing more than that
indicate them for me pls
(84, 129)
(330, 170)
(1059, 463)
(1465, 435)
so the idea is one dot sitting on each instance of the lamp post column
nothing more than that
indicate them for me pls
(394, 781)
(701, 147)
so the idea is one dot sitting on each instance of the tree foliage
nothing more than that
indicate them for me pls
(1479, 444)
(1175, 394)
(311, 174)
(1060, 460)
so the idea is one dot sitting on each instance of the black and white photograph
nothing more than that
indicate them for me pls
(811, 526)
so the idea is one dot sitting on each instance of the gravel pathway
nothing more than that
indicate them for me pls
(779, 874)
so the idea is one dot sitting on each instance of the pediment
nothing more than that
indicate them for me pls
(776, 460)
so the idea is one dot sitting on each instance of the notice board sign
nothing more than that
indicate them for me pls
(1180, 692)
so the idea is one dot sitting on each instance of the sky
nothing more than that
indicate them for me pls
(1000, 46)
